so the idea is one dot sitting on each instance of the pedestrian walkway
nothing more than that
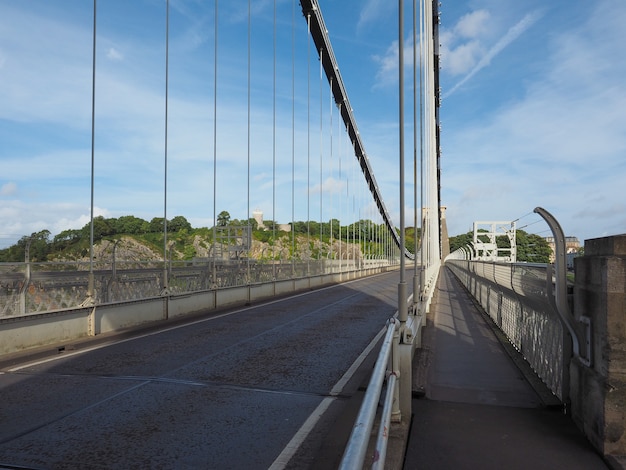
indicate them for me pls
(478, 411)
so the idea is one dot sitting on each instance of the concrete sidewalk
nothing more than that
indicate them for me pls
(479, 411)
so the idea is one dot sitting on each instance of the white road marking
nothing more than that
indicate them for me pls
(296, 441)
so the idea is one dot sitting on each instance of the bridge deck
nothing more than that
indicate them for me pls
(478, 410)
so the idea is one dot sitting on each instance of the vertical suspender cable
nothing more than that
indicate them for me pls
(359, 207)
(330, 127)
(308, 152)
(415, 245)
(215, 149)
(341, 142)
(402, 306)
(319, 253)
(90, 288)
(421, 211)
(167, 55)
(249, 224)
(293, 136)
(353, 180)
(274, 153)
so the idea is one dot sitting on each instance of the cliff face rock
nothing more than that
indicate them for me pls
(304, 249)
(127, 249)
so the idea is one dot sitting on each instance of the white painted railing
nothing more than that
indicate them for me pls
(394, 364)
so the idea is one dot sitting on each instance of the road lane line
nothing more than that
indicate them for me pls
(296, 441)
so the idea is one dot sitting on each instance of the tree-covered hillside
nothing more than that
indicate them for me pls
(305, 238)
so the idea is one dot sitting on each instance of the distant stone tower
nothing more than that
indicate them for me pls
(258, 216)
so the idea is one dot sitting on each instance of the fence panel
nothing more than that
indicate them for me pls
(515, 296)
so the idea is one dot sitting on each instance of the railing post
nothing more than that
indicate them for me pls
(396, 413)
(405, 376)
(560, 296)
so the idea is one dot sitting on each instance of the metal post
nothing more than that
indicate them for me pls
(415, 245)
(91, 283)
(167, 39)
(402, 290)
(560, 295)
(396, 413)
(113, 264)
(560, 299)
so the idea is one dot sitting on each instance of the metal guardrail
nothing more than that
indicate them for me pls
(355, 453)
(393, 365)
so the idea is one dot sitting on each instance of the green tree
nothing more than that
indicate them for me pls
(101, 228)
(178, 223)
(38, 245)
(66, 237)
(156, 225)
(314, 228)
(334, 226)
(65, 240)
(223, 218)
(532, 248)
(253, 223)
(459, 241)
(270, 225)
(299, 227)
(129, 224)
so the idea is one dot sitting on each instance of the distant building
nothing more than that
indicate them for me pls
(572, 246)
(258, 216)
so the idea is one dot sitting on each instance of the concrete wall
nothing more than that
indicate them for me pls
(598, 393)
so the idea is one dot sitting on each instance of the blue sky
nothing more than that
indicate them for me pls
(534, 112)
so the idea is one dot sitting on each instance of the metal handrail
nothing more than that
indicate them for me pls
(354, 455)
(385, 420)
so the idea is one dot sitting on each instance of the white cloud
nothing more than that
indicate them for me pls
(114, 55)
(462, 58)
(330, 185)
(387, 73)
(8, 189)
(512, 34)
(463, 44)
(559, 145)
(472, 25)
(461, 49)
(53, 216)
(371, 11)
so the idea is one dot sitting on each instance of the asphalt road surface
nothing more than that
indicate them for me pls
(268, 386)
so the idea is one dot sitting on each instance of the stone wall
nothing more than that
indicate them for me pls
(598, 392)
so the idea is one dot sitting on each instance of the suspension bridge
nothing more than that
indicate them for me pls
(360, 350)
